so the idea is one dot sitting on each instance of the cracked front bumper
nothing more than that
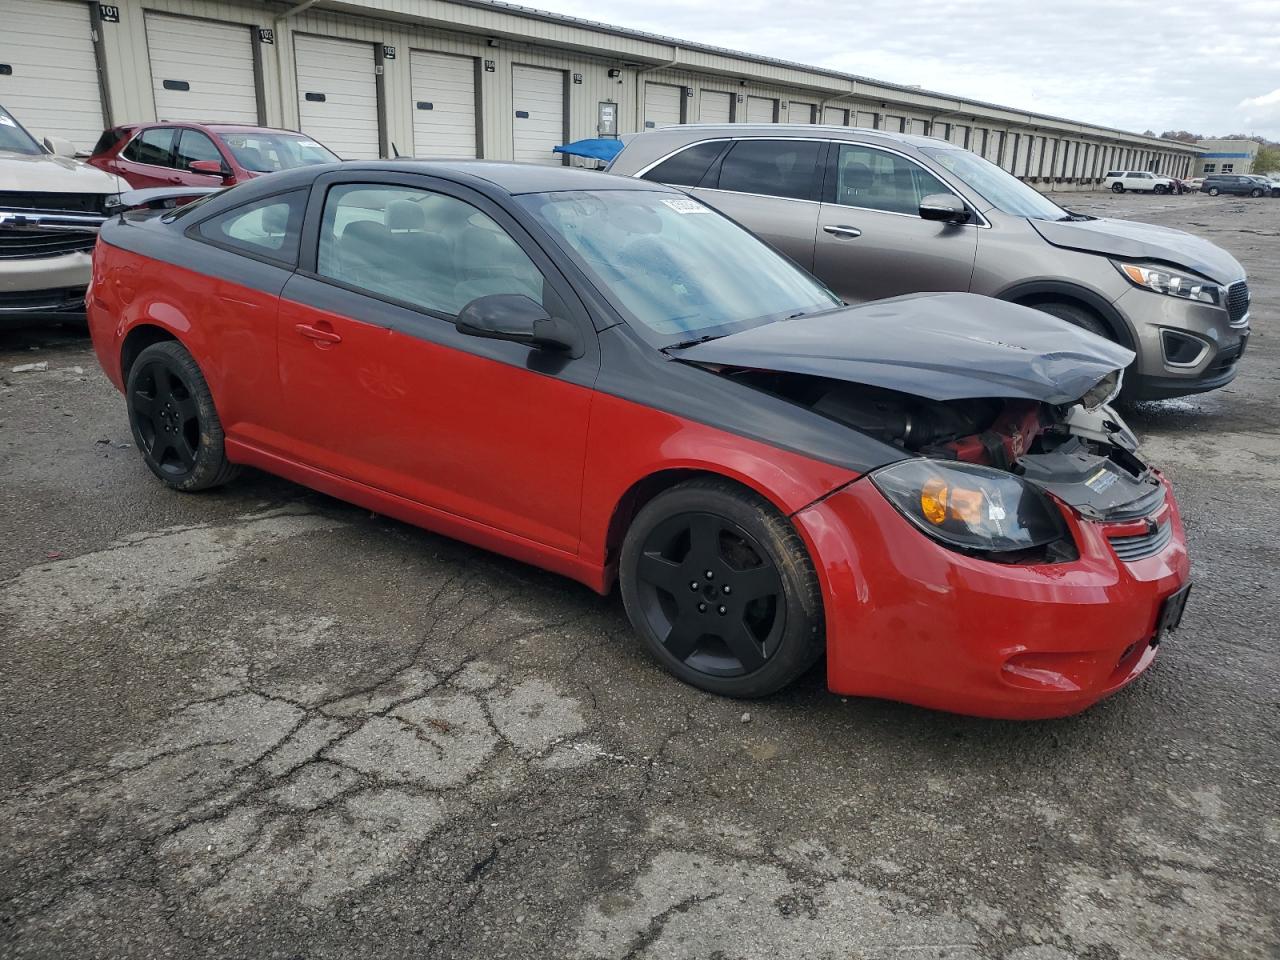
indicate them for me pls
(910, 620)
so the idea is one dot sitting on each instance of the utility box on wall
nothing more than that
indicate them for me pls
(607, 119)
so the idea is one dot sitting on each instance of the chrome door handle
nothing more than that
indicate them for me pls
(842, 232)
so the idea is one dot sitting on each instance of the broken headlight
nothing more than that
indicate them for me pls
(1160, 280)
(1104, 391)
(970, 507)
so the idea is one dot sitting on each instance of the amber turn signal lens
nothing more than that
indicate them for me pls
(933, 500)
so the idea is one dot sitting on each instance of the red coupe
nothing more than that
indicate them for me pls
(604, 377)
(201, 154)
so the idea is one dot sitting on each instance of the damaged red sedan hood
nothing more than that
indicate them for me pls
(943, 346)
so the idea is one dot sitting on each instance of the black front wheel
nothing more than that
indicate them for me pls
(721, 587)
(1255, 193)
(1117, 188)
(1161, 188)
(1213, 191)
(174, 422)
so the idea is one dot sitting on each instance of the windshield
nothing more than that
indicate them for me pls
(14, 139)
(1002, 190)
(676, 267)
(268, 152)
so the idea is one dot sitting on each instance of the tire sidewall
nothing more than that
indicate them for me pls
(210, 456)
(802, 637)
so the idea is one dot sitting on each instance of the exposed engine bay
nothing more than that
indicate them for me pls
(1082, 453)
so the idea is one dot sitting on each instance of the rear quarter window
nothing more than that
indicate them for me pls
(271, 227)
(689, 166)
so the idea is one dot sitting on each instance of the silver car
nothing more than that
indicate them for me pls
(877, 214)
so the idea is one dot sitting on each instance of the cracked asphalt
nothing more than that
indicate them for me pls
(262, 723)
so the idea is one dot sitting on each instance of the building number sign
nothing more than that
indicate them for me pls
(109, 13)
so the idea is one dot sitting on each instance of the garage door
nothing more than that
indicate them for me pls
(537, 94)
(761, 110)
(866, 120)
(716, 107)
(337, 95)
(444, 104)
(201, 70)
(916, 127)
(800, 112)
(662, 104)
(51, 80)
(836, 116)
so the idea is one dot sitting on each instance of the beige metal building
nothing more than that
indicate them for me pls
(1226, 156)
(464, 78)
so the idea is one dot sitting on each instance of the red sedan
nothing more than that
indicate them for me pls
(202, 154)
(604, 377)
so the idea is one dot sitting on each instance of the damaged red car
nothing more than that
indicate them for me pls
(606, 378)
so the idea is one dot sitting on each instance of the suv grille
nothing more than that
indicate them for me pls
(1238, 302)
(1143, 544)
(60, 202)
(34, 244)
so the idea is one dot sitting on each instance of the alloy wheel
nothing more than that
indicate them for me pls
(711, 594)
(166, 417)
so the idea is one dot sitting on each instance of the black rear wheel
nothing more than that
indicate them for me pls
(1117, 188)
(174, 422)
(1255, 193)
(1213, 191)
(721, 587)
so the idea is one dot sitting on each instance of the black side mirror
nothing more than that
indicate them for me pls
(945, 207)
(520, 319)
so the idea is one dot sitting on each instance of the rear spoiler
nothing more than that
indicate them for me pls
(162, 198)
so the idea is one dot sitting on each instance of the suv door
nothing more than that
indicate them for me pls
(147, 159)
(770, 186)
(871, 241)
(383, 389)
(196, 145)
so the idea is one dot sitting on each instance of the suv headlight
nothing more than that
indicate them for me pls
(969, 507)
(1174, 284)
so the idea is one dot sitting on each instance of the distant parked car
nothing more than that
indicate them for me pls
(1269, 185)
(202, 154)
(1193, 185)
(1236, 184)
(51, 207)
(1118, 181)
(876, 214)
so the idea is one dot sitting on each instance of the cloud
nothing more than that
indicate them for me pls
(1132, 65)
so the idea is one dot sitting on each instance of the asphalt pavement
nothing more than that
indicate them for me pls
(259, 722)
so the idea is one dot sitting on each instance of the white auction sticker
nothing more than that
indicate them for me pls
(685, 205)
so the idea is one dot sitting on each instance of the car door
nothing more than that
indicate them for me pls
(147, 159)
(770, 186)
(871, 241)
(381, 389)
(194, 145)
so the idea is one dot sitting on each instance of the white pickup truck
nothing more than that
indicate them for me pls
(1118, 181)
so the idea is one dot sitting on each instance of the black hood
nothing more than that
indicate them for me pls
(1127, 240)
(943, 346)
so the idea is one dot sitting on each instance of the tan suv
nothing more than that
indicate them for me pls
(50, 209)
(877, 214)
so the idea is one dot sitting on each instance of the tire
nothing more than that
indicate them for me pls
(1213, 191)
(1117, 188)
(1255, 193)
(1160, 188)
(1077, 316)
(173, 419)
(761, 577)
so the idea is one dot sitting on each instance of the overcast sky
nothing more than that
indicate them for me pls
(1211, 68)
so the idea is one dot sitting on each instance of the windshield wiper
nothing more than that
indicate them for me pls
(694, 342)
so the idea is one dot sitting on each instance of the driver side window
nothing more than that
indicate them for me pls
(875, 180)
(422, 248)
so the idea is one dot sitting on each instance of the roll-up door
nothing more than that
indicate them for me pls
(892, 122)
(337, 95)
(444, 104)
(538, 123)
(662, 103)
(836, 116)
(201, 70)
(51, 80)
(866, 120)
(716, 107)
(916, 127)
(798, 111)
(762, 110)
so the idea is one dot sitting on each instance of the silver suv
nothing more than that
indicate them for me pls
(877, 214)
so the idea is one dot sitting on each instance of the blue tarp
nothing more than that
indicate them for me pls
(597, 149)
